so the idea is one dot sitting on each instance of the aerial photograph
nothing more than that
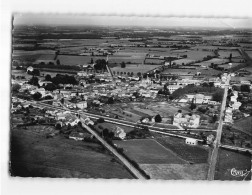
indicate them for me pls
(115, 97)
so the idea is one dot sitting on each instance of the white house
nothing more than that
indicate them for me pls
(119, 132)
(30, 68)
(191, 141)
(81, 105)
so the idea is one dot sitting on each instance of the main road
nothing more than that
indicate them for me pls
(214, 156)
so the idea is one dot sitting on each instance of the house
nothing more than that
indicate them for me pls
(173, 88)
(82, 74)
(81, 105)
(188, 120)
(78, 136)
(191, 141)
(30, 68)
(44, 83)
(119, 133)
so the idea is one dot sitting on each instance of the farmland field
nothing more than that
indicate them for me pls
(228, 160)
(77, 60)
(148, 151)
(32, 155)
(176, 171)
(226, 53)
(195, 154)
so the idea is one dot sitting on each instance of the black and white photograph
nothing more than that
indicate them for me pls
(110, 96)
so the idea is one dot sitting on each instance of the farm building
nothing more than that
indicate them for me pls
(191, 141)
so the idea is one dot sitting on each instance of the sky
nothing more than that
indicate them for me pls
(131, 20)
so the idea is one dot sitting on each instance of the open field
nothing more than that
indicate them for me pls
(228, 160)
(176, 171)
(148, 151)
(244, 124)
(226, 53)
(195, 154)
(77, 60)
(208, 72)
(32, 155)
(249, 52)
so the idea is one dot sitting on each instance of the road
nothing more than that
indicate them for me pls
(214, 156)
(126, 163)
(129, 166)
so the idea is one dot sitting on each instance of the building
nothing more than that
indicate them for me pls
(191, 141)
(81, 105)
(173, 88)
(188, 120)
(30, 68)
(119, 133)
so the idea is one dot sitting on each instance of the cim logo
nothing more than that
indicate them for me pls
(240, 173)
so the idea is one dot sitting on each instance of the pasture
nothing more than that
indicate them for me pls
(228, 160)
(148, 151)
(32, 155)
(176, 171)
(195, 154)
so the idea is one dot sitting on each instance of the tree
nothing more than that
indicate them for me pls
(100, 64)
(211, 84)
(33, 81)
(48, 97)
(58, 126)
(158, 118)
(110, 100)
(50, 87)
(100, 120)
(58, 62)
(36, 72)
(16, 87)
(37, 96)
(205, 84)
(245, 88)
(230, 57)
(218, 96)
(123, 65)
(192, 106)
(48, 77)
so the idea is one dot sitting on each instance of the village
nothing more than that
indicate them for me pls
(113, 94)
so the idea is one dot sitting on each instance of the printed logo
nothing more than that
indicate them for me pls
(240, 173)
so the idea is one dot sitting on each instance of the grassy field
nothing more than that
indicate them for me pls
(176, 171)
(229, 160)
(195, 154)
(148, 151)
(244, 124)
(32, 155)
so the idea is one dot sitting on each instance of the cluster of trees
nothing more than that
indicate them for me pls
(123, 65)
(164, 91)
(63, 79)
(100, 64)
(35, 72)
(217, 96)
(158, 118)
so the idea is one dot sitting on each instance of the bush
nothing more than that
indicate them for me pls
(100, 120)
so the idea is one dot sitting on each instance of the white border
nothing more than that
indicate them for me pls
(214, 8)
